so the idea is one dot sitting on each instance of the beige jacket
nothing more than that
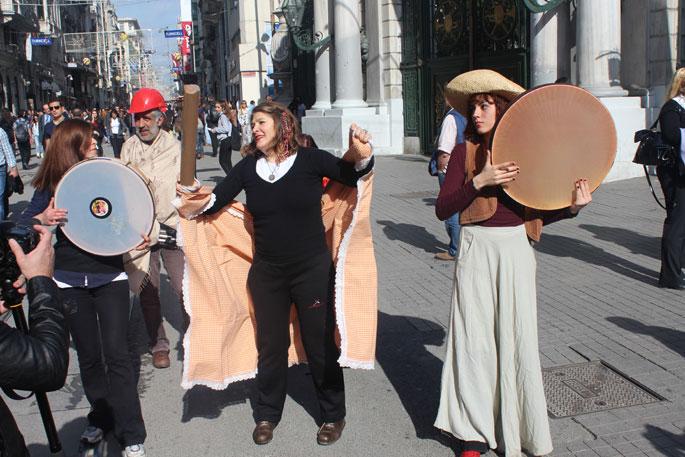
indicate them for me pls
(160, 163)
(220, 343)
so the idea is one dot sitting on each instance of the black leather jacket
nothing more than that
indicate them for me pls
(38, 363)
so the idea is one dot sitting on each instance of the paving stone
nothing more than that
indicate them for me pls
(597, 299)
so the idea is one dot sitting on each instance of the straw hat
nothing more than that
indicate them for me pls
(473, 82)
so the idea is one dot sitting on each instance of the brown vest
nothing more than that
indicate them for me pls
(483, 207)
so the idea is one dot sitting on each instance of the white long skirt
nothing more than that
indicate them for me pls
(491, 388)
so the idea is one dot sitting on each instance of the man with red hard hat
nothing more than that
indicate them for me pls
(157, 154)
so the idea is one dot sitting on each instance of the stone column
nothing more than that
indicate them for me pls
(322, 56)
(598, 47)
(349, 89)
(549, 49)
(374, 63)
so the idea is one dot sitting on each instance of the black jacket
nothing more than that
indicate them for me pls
(37, 363)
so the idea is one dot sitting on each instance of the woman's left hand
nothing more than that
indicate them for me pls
(359, 141)
(145, 244)
(581, 196)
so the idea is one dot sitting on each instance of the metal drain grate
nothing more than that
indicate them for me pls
(590, 387)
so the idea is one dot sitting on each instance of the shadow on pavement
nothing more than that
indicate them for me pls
(201, 401)
(636, 242)
(412, 234)
(672, 338)
(562, 246)
(412, 158)
(69, 435)
(413, 371)
(669, 443)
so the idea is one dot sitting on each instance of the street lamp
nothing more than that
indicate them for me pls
(293, 11)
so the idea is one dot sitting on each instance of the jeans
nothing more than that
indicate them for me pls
(98, 324)
(225, 155)
(25, 153)
(451, 225)
(3, 180)
(116, 141)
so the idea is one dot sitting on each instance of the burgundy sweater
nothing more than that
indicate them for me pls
(456, 194)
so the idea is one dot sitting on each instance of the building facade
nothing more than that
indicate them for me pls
(384, 63)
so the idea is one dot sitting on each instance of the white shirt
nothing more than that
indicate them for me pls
(265, 169)
(114, 125)
(448, 135)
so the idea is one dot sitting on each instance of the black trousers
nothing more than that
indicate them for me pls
(98, 323)
(117, 141)
(309, 285)
(25, 153)
(215, 143)
(225, 155)
(673, 238)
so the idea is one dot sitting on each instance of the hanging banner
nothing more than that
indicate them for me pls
(187, 27)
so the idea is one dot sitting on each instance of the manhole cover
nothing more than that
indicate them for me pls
(589, 387)
(419, 194)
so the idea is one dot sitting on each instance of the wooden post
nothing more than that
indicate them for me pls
(191, 103)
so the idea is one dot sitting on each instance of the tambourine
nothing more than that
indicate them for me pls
(557, 134)
(110, 206)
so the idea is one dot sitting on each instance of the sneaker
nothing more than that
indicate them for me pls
(135, 450)
(444, 256)
(92, 435)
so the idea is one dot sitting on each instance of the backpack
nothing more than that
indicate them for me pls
(21, 130)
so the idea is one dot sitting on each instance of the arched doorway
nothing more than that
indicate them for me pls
(443, 38)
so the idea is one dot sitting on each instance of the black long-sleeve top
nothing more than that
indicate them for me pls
(671, 120)
(287, 213)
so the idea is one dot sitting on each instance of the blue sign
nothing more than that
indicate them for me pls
(41, 41)
(176, 69)
(175, 33)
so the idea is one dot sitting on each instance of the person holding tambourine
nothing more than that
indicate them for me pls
(96, 289)
(672, 179)
(491, 391)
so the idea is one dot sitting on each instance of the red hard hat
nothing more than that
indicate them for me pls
(147, 99)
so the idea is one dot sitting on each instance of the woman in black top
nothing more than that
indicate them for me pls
(96, 289)
(292, 263)
(672, 179)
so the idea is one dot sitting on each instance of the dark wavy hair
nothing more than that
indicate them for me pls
(501, 105)
(287, 131)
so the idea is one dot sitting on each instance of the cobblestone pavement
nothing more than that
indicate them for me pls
(598, 300)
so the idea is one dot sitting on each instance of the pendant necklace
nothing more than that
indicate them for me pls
(272, 176)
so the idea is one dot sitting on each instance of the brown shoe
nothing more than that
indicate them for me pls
(330, 432)
(160, 359)
(263, 432)
(444, 256)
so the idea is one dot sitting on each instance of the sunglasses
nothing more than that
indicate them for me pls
(52, 108)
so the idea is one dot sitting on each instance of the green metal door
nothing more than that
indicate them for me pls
(443, 38)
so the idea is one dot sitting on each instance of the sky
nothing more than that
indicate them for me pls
(155, 15)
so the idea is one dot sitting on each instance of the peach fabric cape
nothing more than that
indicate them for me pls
(220, 345)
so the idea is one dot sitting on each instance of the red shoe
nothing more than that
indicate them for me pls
(469, 454)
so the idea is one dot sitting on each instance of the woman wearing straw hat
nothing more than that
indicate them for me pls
(491, 392)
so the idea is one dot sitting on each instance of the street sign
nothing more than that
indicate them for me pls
(175, 33)
(41, 41)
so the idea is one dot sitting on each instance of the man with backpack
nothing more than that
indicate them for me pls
(22, 138)
(451, 134)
